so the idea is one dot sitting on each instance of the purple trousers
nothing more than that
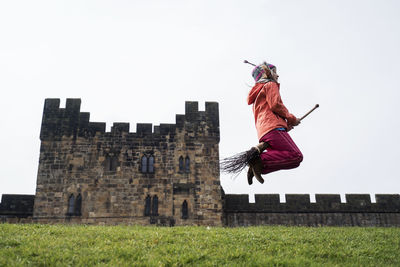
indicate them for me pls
(282, 154)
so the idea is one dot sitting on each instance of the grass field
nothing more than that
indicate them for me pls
(80, 245)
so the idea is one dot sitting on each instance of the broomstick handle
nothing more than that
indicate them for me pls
(250, 63)
(308, 113)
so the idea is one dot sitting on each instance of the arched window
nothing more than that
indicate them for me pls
(147, 164)
(151, 164)
(78, 205)
(187, 164)
(154, 208)
(147, 206)
(114, 164)
(144, 164)
(185, 212)
(108, 163)
(71, 205)
(181, 164)
(111, 163)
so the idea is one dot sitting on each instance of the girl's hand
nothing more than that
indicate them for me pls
(296, 122)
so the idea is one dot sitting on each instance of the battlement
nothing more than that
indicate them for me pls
(324, 203)
(71, 122)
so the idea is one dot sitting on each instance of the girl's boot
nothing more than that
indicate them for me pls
(255, 168)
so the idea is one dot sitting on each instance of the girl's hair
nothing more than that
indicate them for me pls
(267, 72)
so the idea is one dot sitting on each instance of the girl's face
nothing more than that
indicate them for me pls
(274, 74)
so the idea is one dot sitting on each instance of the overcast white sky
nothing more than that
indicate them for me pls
(139, 61)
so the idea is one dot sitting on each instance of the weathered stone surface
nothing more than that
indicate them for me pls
(16, 205)
(312, 219)
(298, 210)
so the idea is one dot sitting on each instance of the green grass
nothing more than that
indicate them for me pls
(80, 245)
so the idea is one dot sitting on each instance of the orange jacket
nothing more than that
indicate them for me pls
(268, 108)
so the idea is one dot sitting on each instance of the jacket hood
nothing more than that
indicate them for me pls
(254, 93)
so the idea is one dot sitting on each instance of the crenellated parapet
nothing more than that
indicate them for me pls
(71, 122)
(327, 210)
(324, 203)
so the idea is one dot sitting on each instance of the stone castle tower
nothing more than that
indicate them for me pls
(168, 175)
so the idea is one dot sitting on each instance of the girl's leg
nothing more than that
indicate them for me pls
(282, 153)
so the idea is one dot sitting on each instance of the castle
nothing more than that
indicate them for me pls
(163, 175)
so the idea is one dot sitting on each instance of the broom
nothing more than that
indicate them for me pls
(236, 163)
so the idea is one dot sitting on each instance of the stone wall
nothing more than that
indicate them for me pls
(78, 159)
(16, 208)
(328, 210)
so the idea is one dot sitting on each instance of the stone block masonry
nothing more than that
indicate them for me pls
(326, 211)
(166, 175)
(16, 208)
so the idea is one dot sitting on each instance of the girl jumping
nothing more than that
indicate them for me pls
(272, 121)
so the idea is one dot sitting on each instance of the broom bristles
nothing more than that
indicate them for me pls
(236, 163)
